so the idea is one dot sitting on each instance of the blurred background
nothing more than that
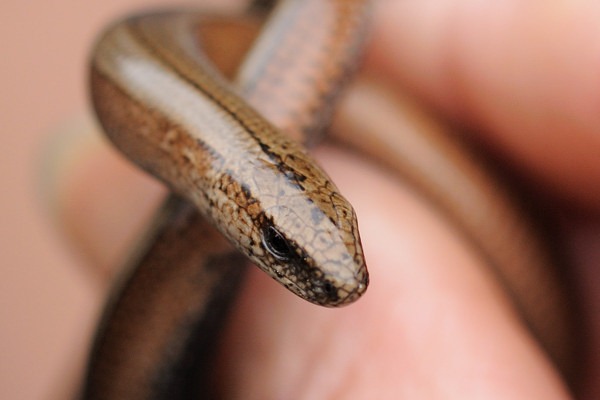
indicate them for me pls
(46, 300)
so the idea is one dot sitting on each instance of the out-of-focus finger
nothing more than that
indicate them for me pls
(524, 75)
(433, 323)
(100, 200)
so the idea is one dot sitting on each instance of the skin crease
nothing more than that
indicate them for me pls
(432, 324)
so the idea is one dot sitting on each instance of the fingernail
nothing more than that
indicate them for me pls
(69, 145)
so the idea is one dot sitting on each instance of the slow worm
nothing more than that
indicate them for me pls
(220, 146)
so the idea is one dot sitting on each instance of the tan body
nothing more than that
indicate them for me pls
(164, 105)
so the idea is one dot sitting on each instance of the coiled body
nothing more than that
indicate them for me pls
(163, 103)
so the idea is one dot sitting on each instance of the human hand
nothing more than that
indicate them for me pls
(432, 324)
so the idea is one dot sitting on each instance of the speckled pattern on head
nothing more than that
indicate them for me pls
(166, 108)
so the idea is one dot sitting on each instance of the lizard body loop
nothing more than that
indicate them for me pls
(220, 145)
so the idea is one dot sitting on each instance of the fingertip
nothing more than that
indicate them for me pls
(522, 76)
(431, 323)
(63, 150)
(98, 200)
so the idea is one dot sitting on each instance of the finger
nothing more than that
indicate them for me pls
(406, 307)
(431, 325)
(416, 294)
(101, 201)
(523, 74)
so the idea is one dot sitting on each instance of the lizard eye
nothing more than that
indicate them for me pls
(329, 289)
(276, 244)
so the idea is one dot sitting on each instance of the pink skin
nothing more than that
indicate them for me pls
(433, 324)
